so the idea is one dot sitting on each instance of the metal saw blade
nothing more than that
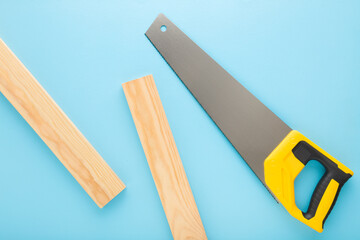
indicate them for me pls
(247, 123)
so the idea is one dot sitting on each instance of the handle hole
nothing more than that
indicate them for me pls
(305, 183)
(163, 28)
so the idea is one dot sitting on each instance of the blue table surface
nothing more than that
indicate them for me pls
(300, 58)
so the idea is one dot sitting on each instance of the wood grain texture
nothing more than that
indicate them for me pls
(56, 130)
(163, 158)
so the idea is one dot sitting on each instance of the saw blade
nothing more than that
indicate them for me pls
(248, 124)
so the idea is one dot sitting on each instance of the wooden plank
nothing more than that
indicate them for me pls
(56, 130)
(163, 158)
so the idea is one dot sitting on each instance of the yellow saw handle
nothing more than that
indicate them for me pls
(284, 164)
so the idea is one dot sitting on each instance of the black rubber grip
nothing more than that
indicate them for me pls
(305, 152)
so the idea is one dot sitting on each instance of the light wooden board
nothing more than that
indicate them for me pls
(163, 158)
(56, 130)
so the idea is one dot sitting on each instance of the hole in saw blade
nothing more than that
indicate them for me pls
(305, 183)
(163, 28)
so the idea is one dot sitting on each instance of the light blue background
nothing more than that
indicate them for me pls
(301, 58)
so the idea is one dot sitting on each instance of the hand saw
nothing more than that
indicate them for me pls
(274, 151)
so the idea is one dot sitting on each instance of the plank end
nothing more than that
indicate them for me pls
(144, 78)
(104, 201)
